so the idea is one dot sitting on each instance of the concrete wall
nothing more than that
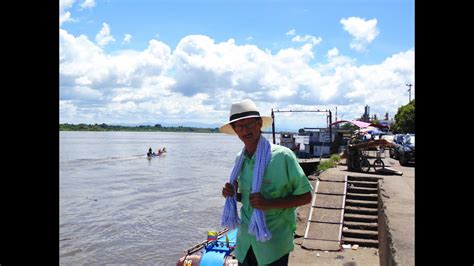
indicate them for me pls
(385, 250)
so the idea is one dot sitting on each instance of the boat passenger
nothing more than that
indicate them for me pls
(149, 152)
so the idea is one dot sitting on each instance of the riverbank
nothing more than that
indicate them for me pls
(139, 128)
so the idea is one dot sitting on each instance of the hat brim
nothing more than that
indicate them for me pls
(227, 127)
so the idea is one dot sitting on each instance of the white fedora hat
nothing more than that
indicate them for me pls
(242, 110)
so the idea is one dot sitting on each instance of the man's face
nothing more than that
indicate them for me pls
(248, 129)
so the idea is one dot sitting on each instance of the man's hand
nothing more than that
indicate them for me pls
(227, 190)
(259, 202)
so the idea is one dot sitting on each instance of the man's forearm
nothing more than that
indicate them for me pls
(259, 202)
(290, 201)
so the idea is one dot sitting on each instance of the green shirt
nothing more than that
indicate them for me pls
(283, 177)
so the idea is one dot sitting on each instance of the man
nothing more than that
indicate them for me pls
(283, 188)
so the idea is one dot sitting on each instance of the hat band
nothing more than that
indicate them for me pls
(244, 114)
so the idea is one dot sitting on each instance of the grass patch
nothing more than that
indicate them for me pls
(333, 160)
(324, 165)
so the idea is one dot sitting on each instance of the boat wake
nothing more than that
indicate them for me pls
(78, 162)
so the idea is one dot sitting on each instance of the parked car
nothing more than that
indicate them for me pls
(397, 140)
(404, 151)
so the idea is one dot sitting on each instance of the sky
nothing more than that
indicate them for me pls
(183, 62)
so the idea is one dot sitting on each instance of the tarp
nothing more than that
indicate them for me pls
(359, 124)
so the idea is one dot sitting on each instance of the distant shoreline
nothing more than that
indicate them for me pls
(140, 128)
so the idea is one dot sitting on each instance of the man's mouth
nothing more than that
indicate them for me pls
(248, 136)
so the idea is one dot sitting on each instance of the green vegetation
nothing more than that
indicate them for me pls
(333, 160)
(405, 119)
(155, 128)
(324, 165)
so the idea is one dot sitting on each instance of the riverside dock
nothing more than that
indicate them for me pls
(357, 218)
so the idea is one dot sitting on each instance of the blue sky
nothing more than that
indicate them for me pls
(187, 61)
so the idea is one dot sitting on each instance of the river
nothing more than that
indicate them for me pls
(116, 206)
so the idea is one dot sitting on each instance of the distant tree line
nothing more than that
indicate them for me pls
(141, 128)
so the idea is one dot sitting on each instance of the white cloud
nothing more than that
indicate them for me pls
(64, 15)
(87, 4)
(199, 79)
(67, 111)
(79, 57)
(333, 52)
(84, 64)
(103, 37)
(363, 31)
(335, 61)
(87, 93)
(307, 38)
(127, 38)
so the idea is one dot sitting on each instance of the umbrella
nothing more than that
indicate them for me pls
(375, 131)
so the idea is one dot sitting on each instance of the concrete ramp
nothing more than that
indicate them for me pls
(325, 220)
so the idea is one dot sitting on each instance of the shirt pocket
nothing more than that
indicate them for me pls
(273, 189)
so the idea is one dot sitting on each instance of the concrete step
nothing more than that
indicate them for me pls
(361, 190)
(368, 184)
(362, 203)
(357, 233)
(361, 225)
(362, 178)
(360, 218)
(361, 242)
(361, 196)
(361, 210)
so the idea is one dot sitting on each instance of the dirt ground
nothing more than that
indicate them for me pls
(346, 257)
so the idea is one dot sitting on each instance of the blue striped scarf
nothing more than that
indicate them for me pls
(230, 217)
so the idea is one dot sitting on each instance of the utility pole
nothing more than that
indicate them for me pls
(273, 127)
(409, 92)
(329, 125)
